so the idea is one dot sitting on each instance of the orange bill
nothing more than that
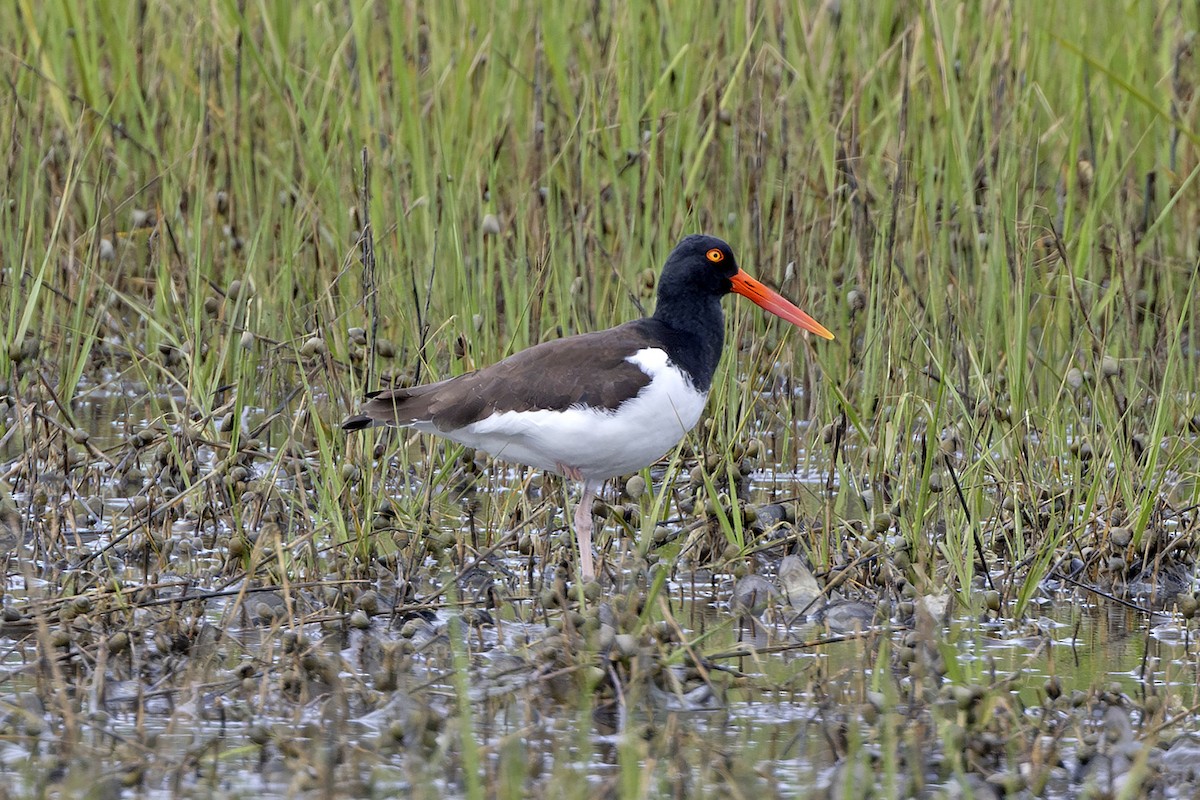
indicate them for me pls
(768, 299)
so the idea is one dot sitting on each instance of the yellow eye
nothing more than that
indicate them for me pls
(715, 256)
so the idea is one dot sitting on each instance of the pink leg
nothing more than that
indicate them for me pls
(583, 530)
(583, 521)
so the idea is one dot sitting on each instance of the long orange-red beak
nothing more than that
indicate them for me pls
(768, 299)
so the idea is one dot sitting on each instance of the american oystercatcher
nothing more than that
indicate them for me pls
(595, 405)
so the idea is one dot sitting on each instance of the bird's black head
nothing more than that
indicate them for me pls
(699, 265)
(700, 271)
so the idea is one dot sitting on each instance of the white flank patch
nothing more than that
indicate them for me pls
(600, 444)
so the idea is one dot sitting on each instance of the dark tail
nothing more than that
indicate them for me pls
(357, 423)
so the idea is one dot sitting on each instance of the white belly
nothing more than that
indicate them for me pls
(600, 444)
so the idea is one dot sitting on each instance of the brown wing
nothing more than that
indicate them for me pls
(590, 369)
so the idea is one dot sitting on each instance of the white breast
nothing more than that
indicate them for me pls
(600, 444)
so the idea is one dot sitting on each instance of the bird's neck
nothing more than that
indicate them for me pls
(698, 332)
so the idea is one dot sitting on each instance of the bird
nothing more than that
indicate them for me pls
(598, 405)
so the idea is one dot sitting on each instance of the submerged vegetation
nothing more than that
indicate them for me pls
(951, 553)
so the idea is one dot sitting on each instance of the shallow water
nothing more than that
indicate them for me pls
(268, 684)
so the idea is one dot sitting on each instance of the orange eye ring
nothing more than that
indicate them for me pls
(715, 256)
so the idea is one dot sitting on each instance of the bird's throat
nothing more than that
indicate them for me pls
(697, 328)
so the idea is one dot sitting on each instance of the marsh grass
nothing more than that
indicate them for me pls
(993, 205)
